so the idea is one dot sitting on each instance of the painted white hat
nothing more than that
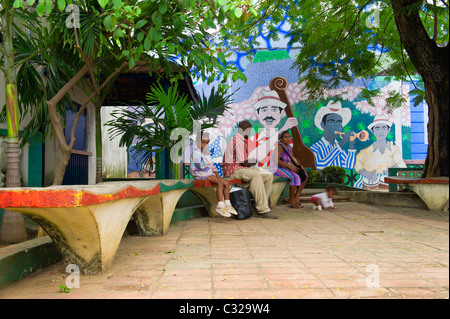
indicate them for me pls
(269, 98)
(380, 119)
(333, 107)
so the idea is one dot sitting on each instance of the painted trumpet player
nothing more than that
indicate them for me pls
(372, 163)
(331, 119)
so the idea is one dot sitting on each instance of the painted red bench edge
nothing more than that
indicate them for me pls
(51, 198)
(405, 180)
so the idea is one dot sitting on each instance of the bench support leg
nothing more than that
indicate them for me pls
(434, 195)
(87, 237)
(277, 189)
(209, 198)
(154, 215)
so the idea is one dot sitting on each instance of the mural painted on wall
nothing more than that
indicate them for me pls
(359, 126)
(352, 133)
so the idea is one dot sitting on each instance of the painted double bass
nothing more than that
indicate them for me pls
(301, 152)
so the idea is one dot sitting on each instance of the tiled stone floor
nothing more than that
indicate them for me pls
(304, 254)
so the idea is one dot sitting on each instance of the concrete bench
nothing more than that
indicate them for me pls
(433, 191)
(87, 222)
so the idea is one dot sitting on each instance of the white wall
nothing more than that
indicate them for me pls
(115, 158)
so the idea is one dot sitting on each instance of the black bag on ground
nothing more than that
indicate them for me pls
(240, 199)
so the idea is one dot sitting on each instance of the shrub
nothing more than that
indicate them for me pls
(333, 174)
(315, 177)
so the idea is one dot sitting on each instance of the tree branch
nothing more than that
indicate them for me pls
(406, 67)
(88, 100)
(69, 85)
(436, 17)
(420, 47)
(357, 18)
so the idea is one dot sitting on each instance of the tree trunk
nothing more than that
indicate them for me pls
(436, 163)
(13, 224)
(61, 168)
(431, 62)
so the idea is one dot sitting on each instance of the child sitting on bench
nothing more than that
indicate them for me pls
(201, 167)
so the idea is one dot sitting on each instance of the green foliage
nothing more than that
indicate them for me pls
(63, 288)
(212, 106)
(111, 32)
(315, 177)
(406, 136)
(338, 38)
(306, 140)
(307, 123)
(394, 101)
(361, 126)
(368, 94)
(418, 94)
(34, 91)
(333, 174)
(329, 174)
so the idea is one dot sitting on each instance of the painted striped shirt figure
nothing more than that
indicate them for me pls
(331, 119)
(328, 154)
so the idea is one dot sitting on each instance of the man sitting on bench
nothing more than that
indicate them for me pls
(237, 166)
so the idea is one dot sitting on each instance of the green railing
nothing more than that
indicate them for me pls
(403, 172)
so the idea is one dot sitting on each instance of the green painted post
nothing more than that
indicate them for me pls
(35, 164)
(163, 166)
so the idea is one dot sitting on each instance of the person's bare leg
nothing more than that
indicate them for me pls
(226, 188)
(297, 196)
(299, 192)
(221, 207)
(292, 196)
(219, 186)
(226, 193)
(318, 202)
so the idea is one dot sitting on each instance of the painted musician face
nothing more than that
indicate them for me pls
(269, 116)
(381, 131)
(331, 123)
